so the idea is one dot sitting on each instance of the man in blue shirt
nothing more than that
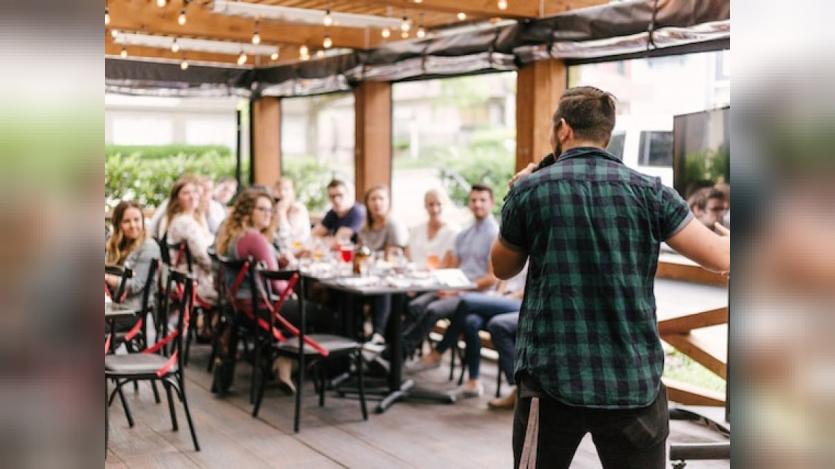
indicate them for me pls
(472, 256)
(345, 218)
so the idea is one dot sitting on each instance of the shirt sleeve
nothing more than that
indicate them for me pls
(513, 231)
(397, 236)
(356, 218)
(674, 213)
(329, 221)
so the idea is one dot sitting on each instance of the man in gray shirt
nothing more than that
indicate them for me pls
(472, 256)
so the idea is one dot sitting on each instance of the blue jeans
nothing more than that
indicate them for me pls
(473, 312)
(503, 332)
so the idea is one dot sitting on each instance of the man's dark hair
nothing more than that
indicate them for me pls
(700, 197)
(337, 183)
(482, 188)
(589, 111)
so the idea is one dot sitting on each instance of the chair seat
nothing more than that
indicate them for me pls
(135, 363)
(333, 343)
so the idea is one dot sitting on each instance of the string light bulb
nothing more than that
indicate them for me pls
(385, 32)
(328, 42)
(242, 58)
(256, 38)
(174, 46)
(320, 53)
(418, 1)
(106, 16)
(404, 25)
(161, 3)
(421, 33)
(114, 33)
(181, 20)
(328, 19)
(184, 64)
(274, 56)
(502, 5)
(462, 16)
(404, 34)
(303, 50)
(124, 52)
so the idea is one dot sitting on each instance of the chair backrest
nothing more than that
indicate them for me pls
(165, 255)
(179, 296)
(267, 278)
(146, 294)
(125, 273)
(234, 274)
(181, 253)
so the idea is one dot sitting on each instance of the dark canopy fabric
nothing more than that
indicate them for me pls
(618, 30)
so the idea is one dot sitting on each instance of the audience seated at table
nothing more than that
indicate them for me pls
(225, 190)
(477, 311)
(384, 235)
(431, 243)
(213, 210)
(129, 246)
(471, 254)
(291, 215)
(184, 222)
(345, 217)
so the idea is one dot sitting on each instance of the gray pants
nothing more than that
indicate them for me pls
(423, 312)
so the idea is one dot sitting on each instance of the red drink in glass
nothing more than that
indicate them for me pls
(347, 253)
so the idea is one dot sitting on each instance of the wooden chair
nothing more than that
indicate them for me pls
(318, 348)
(152, 365)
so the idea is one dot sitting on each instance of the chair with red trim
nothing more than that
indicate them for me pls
(317, 347)
(124, 273)
(150, 365)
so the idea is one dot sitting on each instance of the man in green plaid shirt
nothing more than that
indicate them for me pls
(588, 354)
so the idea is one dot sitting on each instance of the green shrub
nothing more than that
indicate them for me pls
(491, 165)
(146, 173)
(310, 179)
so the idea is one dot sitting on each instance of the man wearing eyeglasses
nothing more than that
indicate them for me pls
(345, 218)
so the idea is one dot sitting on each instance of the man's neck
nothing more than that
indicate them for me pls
(581, 143)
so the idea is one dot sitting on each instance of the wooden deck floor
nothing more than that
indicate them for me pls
(413, 434)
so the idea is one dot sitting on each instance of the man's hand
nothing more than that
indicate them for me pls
(721, 230)
(528, 170)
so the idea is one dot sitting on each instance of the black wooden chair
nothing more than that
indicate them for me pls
(318, 348)
(125, 273)
(152, 365)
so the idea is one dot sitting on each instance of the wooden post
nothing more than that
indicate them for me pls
(372, 149)
(539, 86)
(266, 144)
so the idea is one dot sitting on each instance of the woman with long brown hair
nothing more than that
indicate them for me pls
(129, 246)
(185, 222)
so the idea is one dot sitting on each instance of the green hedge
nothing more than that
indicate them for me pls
(146, 173)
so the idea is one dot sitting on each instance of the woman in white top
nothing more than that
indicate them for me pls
(185, 222)
(431, 243)
(292, 216)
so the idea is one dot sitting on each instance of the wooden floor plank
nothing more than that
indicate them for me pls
(412, 434)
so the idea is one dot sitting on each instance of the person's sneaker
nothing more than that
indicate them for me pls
(419, 365)
(374, 347)
(503, 403)
(466, 391)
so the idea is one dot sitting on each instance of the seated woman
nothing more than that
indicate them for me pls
(431, 243)
(129, 246)
(381, 234)
(292, 216)
(247, 232)
(472, 314)
(184, 222)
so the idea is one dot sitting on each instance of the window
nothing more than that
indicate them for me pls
(450, 133)
(656, 149)
(616, 144)
(317, 144)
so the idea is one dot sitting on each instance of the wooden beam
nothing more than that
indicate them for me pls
(266, 116)
(539, 86)
(372, 150)
(689, 394)
(146, 17)
(685, 324)
(676, 267)
(517, 9)
(289, 54)
(704, 348)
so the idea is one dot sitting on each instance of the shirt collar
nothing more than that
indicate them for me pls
(588, 151)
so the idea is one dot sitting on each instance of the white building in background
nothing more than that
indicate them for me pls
(142, 120)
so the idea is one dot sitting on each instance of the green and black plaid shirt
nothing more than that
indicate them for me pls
(592, 228)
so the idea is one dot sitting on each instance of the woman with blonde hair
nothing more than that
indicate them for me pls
(431, 243)
(185, 223)
(129, 246)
